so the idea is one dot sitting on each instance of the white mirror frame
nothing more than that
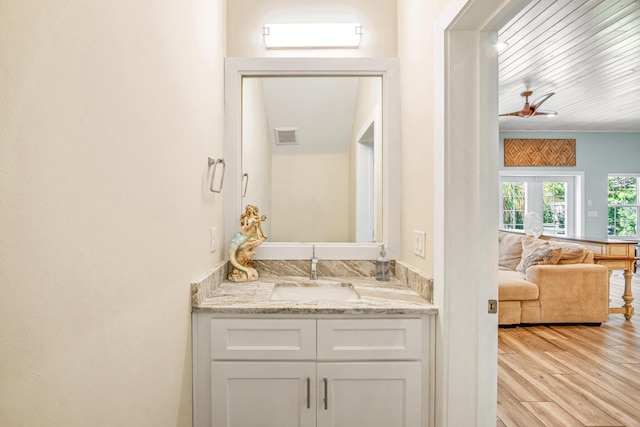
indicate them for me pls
(387, 68)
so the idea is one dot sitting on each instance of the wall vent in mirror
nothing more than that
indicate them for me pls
(287, 136)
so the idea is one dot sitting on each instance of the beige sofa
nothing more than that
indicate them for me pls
(542, 281)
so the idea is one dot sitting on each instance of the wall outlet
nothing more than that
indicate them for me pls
(592, 214)
(419, 239)
(212, 240)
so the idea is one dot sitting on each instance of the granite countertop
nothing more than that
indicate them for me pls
(392, 297)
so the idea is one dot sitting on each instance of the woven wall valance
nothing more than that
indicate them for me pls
(539, 152)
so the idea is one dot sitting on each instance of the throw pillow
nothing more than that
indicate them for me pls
(509, 250)
(537, 252)
(572, 253)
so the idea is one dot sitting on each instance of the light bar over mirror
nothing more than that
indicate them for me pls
(312, 36)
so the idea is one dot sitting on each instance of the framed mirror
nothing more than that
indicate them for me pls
(314, 143)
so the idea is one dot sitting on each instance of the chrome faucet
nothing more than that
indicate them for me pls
(314, 263)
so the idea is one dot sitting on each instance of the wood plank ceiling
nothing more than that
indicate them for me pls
(586, 51)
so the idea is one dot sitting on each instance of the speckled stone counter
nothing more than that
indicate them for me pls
(408, 292)
(391, 297)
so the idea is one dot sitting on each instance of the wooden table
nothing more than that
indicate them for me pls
(613, 254)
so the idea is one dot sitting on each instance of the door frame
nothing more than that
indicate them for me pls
(466, 177)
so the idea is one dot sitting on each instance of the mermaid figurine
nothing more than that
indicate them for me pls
(242, 246)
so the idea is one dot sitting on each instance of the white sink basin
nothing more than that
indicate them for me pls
(314, 291)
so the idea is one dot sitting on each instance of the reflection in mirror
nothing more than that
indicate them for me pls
(312, 156)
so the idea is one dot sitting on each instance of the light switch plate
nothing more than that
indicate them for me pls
(419, 239)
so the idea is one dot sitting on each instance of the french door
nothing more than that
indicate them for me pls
(553, 198)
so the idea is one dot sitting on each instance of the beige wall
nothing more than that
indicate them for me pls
(307, 203)
(415, 49)
(245, 19)
(109, 111)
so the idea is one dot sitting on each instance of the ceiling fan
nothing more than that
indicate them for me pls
(532, 109)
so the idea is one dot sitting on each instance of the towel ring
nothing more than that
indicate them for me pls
(214, 162)
(245, 180)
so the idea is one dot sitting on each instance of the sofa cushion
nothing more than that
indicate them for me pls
(572, 253)
(530, 312)
(513, 286)
(537, 252)
(509, 250)
(508, 312)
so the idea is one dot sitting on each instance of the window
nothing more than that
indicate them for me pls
(552, 197)
(623, 205)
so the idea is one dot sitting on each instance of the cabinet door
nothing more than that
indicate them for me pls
(263, 394)
(376, 394)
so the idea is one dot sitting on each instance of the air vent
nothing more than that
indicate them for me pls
(286, 136)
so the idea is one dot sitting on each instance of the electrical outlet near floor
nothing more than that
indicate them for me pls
(212, 240)
(419, 238)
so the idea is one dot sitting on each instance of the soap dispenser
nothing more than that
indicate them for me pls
(383, 272)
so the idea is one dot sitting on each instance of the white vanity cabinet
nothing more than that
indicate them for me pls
(312, 371)
(263, 394)
(372, 394)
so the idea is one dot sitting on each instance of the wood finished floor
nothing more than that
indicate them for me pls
(572, 375)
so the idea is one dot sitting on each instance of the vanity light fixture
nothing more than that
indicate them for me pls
(312, 36)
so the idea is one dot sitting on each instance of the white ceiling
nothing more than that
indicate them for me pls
(586, 51)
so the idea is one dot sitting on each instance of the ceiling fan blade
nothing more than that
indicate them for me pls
(530, 110)
(536, 104)
(548, 113)
(521, 113)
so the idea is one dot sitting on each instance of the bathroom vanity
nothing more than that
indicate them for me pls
(287, 351)
(266, 354)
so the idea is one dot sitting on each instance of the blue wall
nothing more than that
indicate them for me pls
(597, 155)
